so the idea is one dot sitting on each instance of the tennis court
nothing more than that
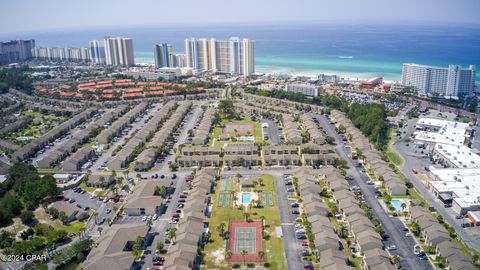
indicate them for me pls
(245, 236)
(224, 199)
(245, 240)
(239, 129)
(226, 184)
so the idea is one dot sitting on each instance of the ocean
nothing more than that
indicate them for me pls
(359, 51)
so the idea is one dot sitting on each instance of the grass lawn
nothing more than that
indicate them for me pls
(87, 188)
(215, 250)
(73, 228)
(394, 157)
(465, 119)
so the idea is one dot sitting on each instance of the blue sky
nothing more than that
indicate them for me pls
(44, 15)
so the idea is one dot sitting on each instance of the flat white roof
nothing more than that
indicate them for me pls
(463, 183)
(459, 155)
(449, 132)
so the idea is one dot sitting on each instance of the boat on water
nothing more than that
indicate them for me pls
(345, 57)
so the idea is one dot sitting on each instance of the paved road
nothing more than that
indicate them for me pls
(391, 226)
(411, 162)
(290, 242)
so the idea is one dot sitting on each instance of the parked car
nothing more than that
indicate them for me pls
(392, 247)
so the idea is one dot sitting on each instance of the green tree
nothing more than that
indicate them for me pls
(228, 254)
(395, 259)
(244, 253)
(172, 234)
(261, 254)
(160, 245)
(26, 216)
(343, 232)
(221, 229)
(225, 106)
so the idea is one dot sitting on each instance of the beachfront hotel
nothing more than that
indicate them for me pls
(234, 56)
(112, 51)
(450, 82)
(163, 55)
(61, 54)
(16, 50)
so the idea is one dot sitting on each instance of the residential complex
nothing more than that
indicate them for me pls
(451, 82)
(16, 50)
(234, 56)
(306, 89)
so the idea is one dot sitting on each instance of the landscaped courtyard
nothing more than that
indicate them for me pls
(236, 228)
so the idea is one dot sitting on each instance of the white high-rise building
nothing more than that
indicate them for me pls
(235, 56)
(450, 82)
(97, 51)
(59, 54)
(113, 51)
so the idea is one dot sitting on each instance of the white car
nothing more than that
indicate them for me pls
(149, 218)
(392, 247)
(144, 218)
(408, 234)
(155, 217)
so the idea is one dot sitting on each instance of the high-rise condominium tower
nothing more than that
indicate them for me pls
(235, 56)
(16, 50)
(163, 54)
(113, 51)
(453, 81)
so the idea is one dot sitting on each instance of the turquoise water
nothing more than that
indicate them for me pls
(359, 51)
(397, 204)
(246, 198)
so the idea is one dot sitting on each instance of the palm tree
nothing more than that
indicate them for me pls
(207, 237)
(246, 215)
(100, 229)
(403, 205)
(244, 253)
(261, 254)
(172, 234)
(228, 254)
(149, 223)
(343, 232)
(395, 259)
(221, 229)
(95, 216)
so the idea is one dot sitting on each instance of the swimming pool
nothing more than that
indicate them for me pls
(398, 205)
(246, 197)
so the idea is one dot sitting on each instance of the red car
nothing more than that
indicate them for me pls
(305, 243)
(158, 263)
(414, 171)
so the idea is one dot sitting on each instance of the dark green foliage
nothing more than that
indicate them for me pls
(6, 239)
(15, 78)
(26, 216)
(24, 189)
(371, 120)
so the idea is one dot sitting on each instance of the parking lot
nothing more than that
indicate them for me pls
(271, 131)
